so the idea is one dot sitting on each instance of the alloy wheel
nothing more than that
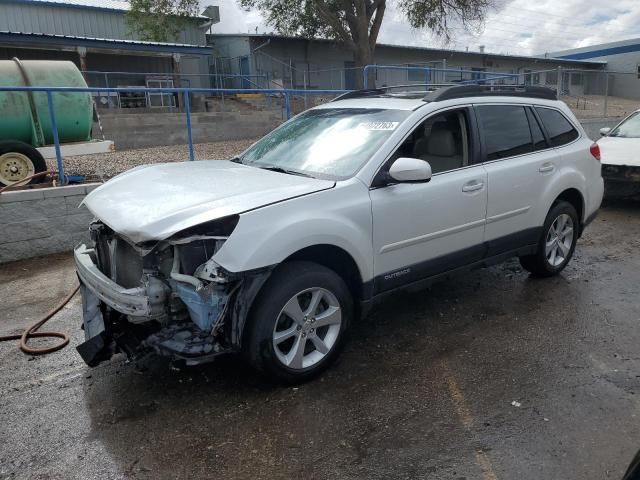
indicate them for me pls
(307, 328)
(559, 240)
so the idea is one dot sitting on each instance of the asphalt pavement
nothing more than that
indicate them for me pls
(492, 375)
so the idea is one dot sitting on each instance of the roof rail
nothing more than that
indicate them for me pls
(369, 92)
(462, 91)
(447, 91)
(413, 85)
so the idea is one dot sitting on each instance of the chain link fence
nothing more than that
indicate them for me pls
(225, 122)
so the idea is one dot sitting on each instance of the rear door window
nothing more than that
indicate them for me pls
(505, 130)
(558, 128)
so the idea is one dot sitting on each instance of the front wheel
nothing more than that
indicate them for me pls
(558, 241)
(298, 324)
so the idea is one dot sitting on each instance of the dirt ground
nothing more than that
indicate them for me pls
(592, 106)
(493, 375)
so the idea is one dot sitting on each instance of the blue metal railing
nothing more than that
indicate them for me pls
(105, 76)
(286, 93)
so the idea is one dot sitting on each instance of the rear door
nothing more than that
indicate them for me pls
(519, 163)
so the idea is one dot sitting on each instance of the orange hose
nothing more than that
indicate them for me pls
(32, 332)
(15, 184)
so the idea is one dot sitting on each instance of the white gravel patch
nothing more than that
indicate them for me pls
(107, 165)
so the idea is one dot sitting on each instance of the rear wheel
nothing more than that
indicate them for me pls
(18, 161)
(299, 322)
(558, 241)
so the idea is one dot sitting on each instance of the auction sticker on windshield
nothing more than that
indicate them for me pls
(379, 125)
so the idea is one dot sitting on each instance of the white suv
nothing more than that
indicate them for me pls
(276, 252)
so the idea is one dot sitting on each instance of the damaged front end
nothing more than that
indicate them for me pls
(621, 181)
(167, 297)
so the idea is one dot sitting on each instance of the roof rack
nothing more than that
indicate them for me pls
(369, 92)
(462, 91)
(374, 92)
(438, 92)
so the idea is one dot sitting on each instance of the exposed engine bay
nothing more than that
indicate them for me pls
(167, 297)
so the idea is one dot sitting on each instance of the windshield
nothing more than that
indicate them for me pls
(333, 142)
(630, 128)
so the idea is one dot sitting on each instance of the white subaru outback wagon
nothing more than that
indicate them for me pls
(274, 253)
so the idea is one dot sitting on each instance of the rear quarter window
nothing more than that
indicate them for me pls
(558, 128)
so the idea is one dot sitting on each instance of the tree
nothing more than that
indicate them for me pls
(356, 23)
(160, 20)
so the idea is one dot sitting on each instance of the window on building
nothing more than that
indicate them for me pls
(505, 130)
(161, 99)
(558, 128)
(576, 79)
(638, 71)
(551, 78)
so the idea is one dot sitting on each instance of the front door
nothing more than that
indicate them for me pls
(424, 229)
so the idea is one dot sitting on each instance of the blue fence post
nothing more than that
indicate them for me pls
(365, 71)
(106, 84)
(287, 105)
(187, 111)
(56, 138)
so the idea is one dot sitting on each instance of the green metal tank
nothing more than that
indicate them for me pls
(24, 116)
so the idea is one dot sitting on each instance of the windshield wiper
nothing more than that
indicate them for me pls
(273, 168)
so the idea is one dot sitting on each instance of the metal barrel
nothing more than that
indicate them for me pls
(24, 116)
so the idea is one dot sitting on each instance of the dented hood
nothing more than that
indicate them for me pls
(153, 202)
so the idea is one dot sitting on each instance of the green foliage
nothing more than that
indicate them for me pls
(160, 20)
(356, 22)
(293, 17)
(435, 15)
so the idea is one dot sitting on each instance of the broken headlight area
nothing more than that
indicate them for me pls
(621, 180)
(167, 297)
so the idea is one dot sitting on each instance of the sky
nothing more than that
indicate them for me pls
(515, 26)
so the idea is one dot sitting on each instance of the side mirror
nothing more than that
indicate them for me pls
(406, 169)
(605, 131)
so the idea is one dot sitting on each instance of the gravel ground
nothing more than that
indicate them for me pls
(107, 165)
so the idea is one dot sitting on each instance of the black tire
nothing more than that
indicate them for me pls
(36, 158)
(538, 264)
(287, 281)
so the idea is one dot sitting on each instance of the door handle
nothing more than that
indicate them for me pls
(472, 186)
(547, 167)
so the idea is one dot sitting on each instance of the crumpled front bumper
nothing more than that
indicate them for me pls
(130, 301)
(128, 325)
